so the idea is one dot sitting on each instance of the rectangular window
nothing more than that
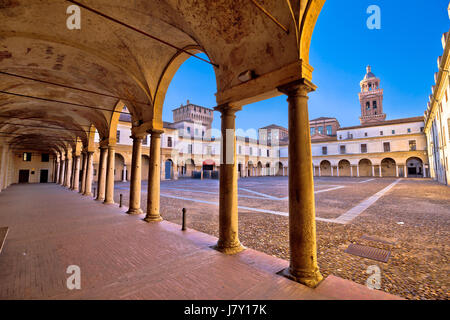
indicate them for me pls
(342, 149)
(251, 151)
(27, 156)
(329, 130)
(324, 150)
(268, 153)
(118, 136)
(393, 131)
(412, 145)
(387, 146)
(209, 150)
(259, 152)
(45, 157)
(196, 132)
(313, 131)
(365, 134)
(409, 130)
(364, 148)
(189, 148)
(189, 129)
(421, 129)
(240, 149)
(381, 133)
(169, 142)
(320, 129)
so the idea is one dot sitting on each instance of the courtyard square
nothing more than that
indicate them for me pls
(411, 217)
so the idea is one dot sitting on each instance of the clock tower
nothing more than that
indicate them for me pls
(371, 99)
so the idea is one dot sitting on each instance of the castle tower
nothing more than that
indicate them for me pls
(371, 99)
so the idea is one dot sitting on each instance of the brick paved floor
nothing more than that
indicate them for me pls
(123, 257)
(418, 267)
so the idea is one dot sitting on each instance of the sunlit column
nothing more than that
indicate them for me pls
(135, 179)
(154, 177)
(228, 180)
(302, 217)
(76, 173)
(89, 172)
(109, 189)
(101, 181)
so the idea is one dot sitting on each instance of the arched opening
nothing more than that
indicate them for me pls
(325, 168)
(189, 168)
(208, 168)
(144, 167)
(280, 169)
(365, 168)
(120, 173)
(414, 167)
(250, 169)
(259, 169)
(388, 167)
(344, 168)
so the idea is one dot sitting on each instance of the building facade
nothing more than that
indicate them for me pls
(437, 118)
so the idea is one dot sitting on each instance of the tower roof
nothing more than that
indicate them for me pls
(369, 73)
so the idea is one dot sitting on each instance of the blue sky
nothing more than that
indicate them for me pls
(403, 54)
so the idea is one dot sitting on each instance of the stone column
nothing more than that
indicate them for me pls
(379, 170)
(351, 171)
(109, 189)
(228, 242)
(124, 173)
(68, 172)
(396, 170)
(83, 173)
(89, 167)
(102, 174)
(303, 266)
(357, 170)
(135, 179)
(319, 171)
(373, 170)
(337, 170)
(423, 171)
(76, 173)
(154, 177)
(61, 172)
(332, 171)
(57, 171)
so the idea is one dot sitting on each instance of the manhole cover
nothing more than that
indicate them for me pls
(378, 239)
(368, 252)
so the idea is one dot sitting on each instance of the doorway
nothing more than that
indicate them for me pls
(24, 176)
(44, 176)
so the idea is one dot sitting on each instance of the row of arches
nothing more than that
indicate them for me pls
(413, 167)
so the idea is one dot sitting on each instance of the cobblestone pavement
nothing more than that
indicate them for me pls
(413, 216)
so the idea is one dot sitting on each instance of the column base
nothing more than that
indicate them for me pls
(87, 194)
(99, 199)
(135, 211)
(229, 250)
(153, 218)
(309, 279)
(108, 202)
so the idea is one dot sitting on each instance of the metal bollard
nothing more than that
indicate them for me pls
(183, 226)
(120, 201)
(95, 190)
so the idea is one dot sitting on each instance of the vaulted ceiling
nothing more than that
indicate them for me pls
(56, 83)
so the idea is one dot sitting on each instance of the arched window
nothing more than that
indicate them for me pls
(368, 105)
(374, 104)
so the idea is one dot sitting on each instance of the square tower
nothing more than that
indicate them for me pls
(371, 99)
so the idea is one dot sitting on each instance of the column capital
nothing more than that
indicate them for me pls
(103, 147)
(299, 87)
(155, 132)
(228, 107)
(138, 136)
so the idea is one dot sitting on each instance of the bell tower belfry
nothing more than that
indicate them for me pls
(371, 99)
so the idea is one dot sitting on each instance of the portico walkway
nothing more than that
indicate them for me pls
(123, 257)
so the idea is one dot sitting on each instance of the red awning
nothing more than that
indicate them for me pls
(209, 162)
